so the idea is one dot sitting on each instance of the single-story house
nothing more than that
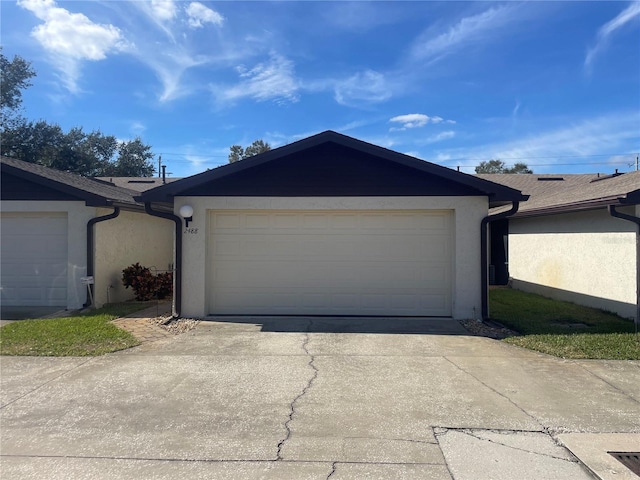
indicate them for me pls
(330, 225)
(575, 239)
(57, 228)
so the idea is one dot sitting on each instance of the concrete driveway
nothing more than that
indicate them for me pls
(309, 398)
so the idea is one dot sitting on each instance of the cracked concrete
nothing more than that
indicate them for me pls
(292, 406)
(246, 399)
(490, 454)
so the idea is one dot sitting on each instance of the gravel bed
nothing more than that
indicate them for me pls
(488, 329)
(175, 326)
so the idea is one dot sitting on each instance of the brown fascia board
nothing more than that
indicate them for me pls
(495, 191)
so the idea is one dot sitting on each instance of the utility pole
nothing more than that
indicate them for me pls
(637, 155)
(159, 165)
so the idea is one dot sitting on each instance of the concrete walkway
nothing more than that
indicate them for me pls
(255, 398)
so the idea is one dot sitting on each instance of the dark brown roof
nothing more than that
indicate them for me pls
(94, 193)
(570, 192)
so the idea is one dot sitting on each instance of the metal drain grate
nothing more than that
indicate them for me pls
(631, 460)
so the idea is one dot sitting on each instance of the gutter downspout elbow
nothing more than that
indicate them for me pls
(91, 248)
(484, 257)
(177, 277)
(623, 216)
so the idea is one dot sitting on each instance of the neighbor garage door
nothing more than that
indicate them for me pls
(34, 259)
(330, 263)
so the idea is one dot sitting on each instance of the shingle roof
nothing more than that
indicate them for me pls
(95, 193)
(139, 184)
(570, 192)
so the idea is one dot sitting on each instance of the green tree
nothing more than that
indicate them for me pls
(134, 160)
(14, 77)
(89, 154)
(236, 152)
(498, 166)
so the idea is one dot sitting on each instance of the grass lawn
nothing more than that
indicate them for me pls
(563, 329)
(85, 334)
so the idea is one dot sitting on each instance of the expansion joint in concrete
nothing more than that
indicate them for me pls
(471, 432)
(495, 391)
(620, 391)
(46, 383)
(438, 431)
(293, 404)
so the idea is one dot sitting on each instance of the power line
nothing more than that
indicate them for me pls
(618, 162)
(621, 161)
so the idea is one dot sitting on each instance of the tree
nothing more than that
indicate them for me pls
(14, 77)
(90, 154)
(236, 152)
(134, 160)
(498, 166)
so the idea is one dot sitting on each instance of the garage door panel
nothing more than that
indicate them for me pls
(370, 263)
(34, 259)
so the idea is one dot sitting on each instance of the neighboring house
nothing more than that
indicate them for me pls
(564, 242)
(56, 229)
(330, 225)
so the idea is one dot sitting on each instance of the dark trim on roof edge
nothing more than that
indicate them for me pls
(495, 191)
(91, 199)
(576, 207)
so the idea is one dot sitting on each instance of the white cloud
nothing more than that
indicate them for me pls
(71, 38)
(432, 47)
(441, 136)
(169, 66)
(163, 10)
(416, 120)
(270, 80)
(609, 28)
(137, 128)
(411, 120)
(362, 88)
(199, 15)
(160, 12)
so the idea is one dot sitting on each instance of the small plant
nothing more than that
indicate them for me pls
(145, 284)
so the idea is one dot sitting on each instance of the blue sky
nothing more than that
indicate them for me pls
(553, 84)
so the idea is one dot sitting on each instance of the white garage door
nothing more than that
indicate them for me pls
(330, 263)
(34, 259)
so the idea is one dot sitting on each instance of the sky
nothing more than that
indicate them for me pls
(555, 85)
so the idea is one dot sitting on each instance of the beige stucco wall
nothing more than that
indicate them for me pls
(468, 213)
(586, 257)
(129, 238)
(77, 217)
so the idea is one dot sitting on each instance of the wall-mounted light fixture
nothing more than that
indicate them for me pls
(186, 212)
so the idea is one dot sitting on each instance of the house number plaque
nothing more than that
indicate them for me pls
(191, 231)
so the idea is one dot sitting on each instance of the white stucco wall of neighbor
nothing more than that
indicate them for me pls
(587, 258)
(129, 238)
(77, 217)
(467, 215)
